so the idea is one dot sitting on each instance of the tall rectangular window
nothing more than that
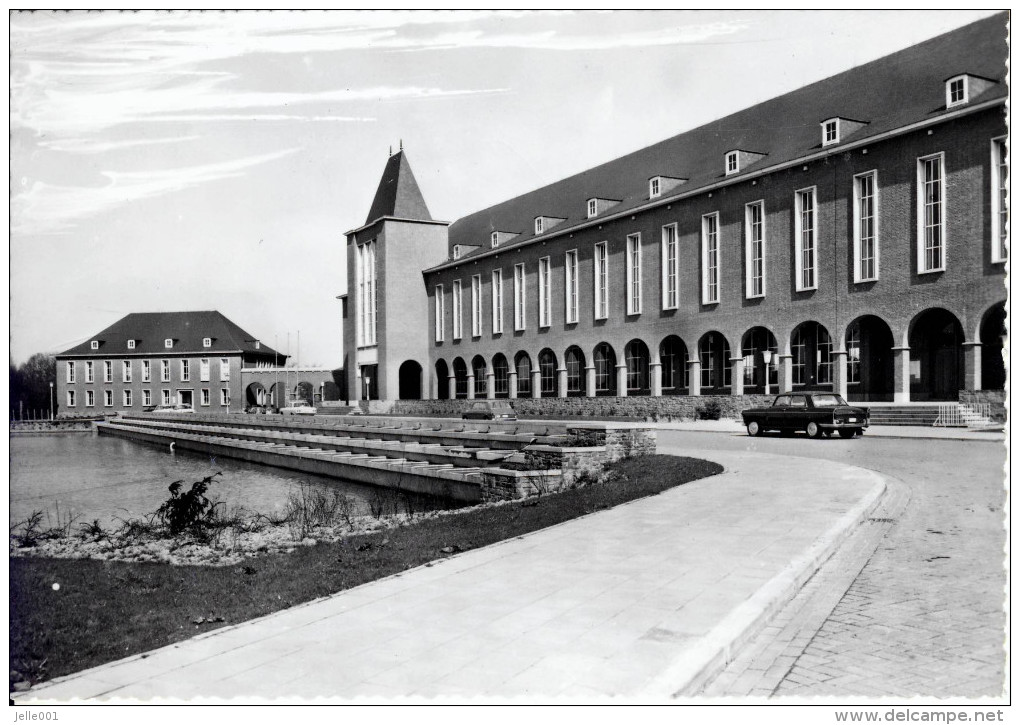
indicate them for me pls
(90, 371)
(866, 227)
(544, 292)
(476, 306)
(205, 396)
(440, 314)
(107, 371)
(458, 309)
(146, 398)
(805, 241)
(853, 354)
(108, 398)
(126, 369)
(128, 400)
(601, 281)
(164, 370)
(570, 287)
(165, 397)
(519, 298)
(366, 293)
(497, 301)
(633, 274)
(90, 398)
(710, 259)
(224, 396)
(670, 268)
(754, 250)
(146, 371)
(931, 214)
(224, 369)
(71, 402)
(203, 370)
(1000, 196)
(70, 371)
(185, 370)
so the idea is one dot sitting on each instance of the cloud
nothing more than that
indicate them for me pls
(93, 146)
(54, 209)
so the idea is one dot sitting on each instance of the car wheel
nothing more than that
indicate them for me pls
(753, 429)
(847, 432)
(813, 430)
(859, 431)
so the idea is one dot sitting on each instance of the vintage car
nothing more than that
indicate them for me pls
(298, 407)
(817, 414)
(490, 410)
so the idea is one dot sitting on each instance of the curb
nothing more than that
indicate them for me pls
(718, 648)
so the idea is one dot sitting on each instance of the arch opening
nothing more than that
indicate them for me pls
(869, 360)
(716, 373)
(756, 342)
(409, 380)
(811, 348)
(637, 358)
(936, 356)
(604, 358)
(574, 360)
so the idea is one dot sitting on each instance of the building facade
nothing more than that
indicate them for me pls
(160, 358)
(848, 236)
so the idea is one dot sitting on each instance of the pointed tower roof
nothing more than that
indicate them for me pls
(398, 194)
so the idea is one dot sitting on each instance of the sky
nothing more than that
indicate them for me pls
(165, 161)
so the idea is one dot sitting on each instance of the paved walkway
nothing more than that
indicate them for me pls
(643, 600)
(994, 433)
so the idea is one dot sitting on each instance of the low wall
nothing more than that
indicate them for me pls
(667, 407)
(996, 399)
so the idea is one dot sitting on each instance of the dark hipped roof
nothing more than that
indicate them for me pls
(889, 93)
(398, 194)
(149, 330)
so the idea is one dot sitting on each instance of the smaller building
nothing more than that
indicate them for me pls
(161, 358)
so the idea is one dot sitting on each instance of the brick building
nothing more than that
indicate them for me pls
(161, 358)
(848, 236)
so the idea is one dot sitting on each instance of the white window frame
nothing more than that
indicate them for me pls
(539, 225)
(670, 266)
(440, 313)
(94, 345)
(107, 398)
(544, 292)
(922, 266)
(70, 371)
(168, 343)
(126, 371)
(494, 239)
(834, 124)
(90, 372)
(185, 370)
(367, 295)
(164, 371)
(798, 239)
(593, 208)
(146, 371)
(570, 287)
(204, 369)
(127, 398)
(206, 397)
(858, 231)
(520, 296)
(206, 342)
(950, 103)
(749, 242)
(146, 398)
(999, 251)
(224, 396)
(634, 274)
(107, 371)
(458, 309)
(601, 280)
(654, 187)
(166, 397)
(90, 398)
(476, 305)
(732, 163)
(710, 259)
(497, 301)
(72, 401)
(224, 369)
(131, 344)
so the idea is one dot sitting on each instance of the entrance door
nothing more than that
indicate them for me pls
(186, 398)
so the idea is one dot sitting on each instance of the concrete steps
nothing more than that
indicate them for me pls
(904, 415)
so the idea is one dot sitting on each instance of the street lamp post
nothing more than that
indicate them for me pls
(51, 401)
(766, 355)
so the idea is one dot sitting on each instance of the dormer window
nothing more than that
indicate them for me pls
(456, 251)
(593, 208)
(131, 344)
(258, 344)
(206, 342)
(732, 162)
(830, 132)
(539, 226)
(654, 188)
(168, 343)
(495, 239)
(956, 91)
(95, 345)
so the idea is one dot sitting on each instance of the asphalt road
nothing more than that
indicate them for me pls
(913, 605)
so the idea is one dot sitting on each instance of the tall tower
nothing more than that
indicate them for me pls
(386, 321)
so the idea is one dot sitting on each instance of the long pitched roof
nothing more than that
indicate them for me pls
(890, 93)
(149, 330)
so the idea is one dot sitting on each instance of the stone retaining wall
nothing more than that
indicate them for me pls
(996, 399)
(667, 407)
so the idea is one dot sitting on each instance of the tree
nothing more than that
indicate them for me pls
(30, 383)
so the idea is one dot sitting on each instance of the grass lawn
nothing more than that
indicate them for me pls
(106, 610)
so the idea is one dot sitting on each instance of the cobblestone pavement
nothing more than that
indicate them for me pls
(913, 603)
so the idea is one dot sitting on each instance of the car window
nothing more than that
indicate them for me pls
(798, 401)
(827, 401)
(479, 406)
(782, 400)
